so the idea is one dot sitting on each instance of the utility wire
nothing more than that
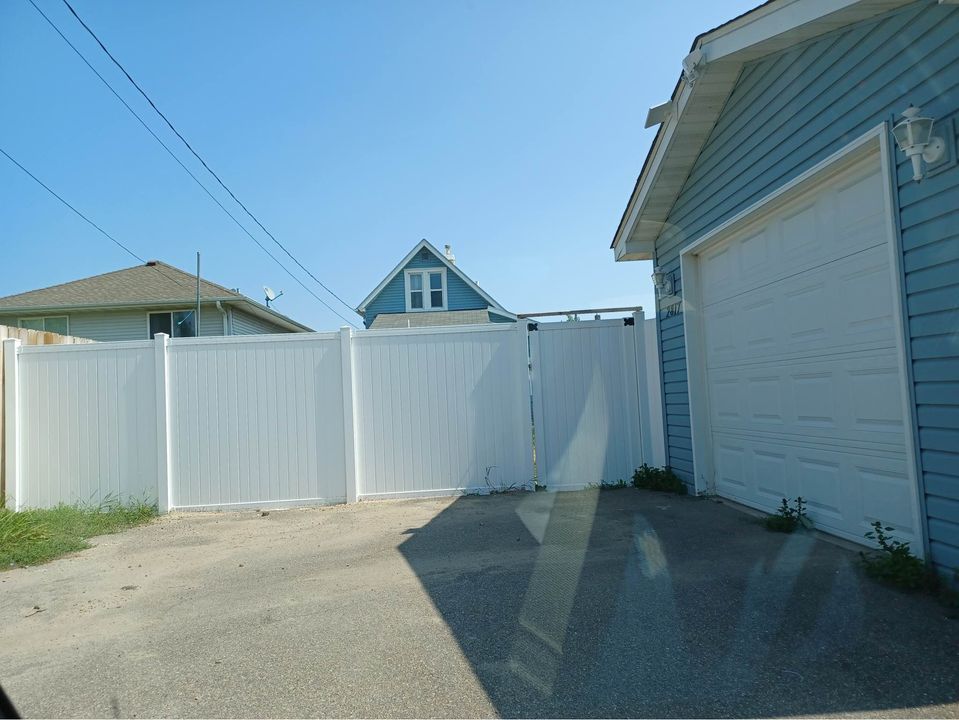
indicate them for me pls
(185, 168)
(202, 161)
(99, 229)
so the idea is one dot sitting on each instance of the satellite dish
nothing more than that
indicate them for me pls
(270, 294)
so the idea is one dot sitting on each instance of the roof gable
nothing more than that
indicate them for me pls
(441, 261)
(710, 73)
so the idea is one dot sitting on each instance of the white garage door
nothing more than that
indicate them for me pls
(802, 368)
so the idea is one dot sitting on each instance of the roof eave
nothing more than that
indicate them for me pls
(271, 315)
(14, 309)
(773, 26)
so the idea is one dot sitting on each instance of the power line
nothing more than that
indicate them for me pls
(99, 229)
(185, 168)
(197, 156)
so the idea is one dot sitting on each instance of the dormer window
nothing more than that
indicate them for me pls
(426, 289)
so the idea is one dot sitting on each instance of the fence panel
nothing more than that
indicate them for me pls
(256, 421)
(87, 423)
(587, 401)
(27, 337)
(442, 411)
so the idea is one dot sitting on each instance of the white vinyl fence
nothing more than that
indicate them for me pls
(256, 420)
(86, 424)
(274, 420)
(441, 410)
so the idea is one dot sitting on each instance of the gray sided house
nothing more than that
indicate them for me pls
(808, 283)
(137, 302)
(427, 289)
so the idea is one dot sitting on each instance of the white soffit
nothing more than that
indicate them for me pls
(688, 119)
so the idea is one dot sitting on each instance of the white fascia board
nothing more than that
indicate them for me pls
(501, 312)
(659, 150)
(768, 22)
(361, 309)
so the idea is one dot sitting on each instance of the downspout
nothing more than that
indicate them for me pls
(226, 321)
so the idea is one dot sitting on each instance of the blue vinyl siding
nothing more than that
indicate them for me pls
(459, 295)
(788, 112)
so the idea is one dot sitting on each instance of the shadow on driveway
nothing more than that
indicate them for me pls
(628, 603)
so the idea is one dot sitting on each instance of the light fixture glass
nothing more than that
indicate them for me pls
(914, 137)
(659, 278)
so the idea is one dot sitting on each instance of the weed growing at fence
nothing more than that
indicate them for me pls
(662, 479)
(618, 485)
(31, 537)
(894, 564)
(788, 519)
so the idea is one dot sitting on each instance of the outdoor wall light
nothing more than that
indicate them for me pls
(914, 137)
(662, 282)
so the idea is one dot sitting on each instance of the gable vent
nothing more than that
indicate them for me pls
(424, 254)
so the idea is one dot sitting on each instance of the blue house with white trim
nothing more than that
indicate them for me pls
(807, 264)
(427, 289)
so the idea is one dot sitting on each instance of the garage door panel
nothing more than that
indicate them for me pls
(805, 234)
(844, 491)
(802, 368)
(844, 305)
(866, 296)
(770, 474)
(854, 397)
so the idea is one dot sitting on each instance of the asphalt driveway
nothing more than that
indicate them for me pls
(619, 603)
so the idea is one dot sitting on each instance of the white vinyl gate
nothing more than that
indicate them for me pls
(276, 420)
(590, 401)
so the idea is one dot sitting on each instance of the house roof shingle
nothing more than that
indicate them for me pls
(430, 319)
(155, 282)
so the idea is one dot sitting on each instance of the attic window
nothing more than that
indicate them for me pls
(426, 289)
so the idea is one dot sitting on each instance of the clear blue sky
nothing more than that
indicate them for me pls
(512, 130)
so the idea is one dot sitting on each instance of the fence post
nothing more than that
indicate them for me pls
(349, 417)
(11, 425)
(165, 500)
(526, 421)
(642, 386)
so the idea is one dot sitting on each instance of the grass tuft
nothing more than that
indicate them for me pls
(31, 537)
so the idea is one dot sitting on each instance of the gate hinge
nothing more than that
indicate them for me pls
(629, 321)
(532, 326)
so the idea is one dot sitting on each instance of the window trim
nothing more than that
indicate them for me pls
(170, 313)
(45, 318)
(425, 272)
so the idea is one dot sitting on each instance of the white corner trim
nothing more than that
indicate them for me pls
(901, 325)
